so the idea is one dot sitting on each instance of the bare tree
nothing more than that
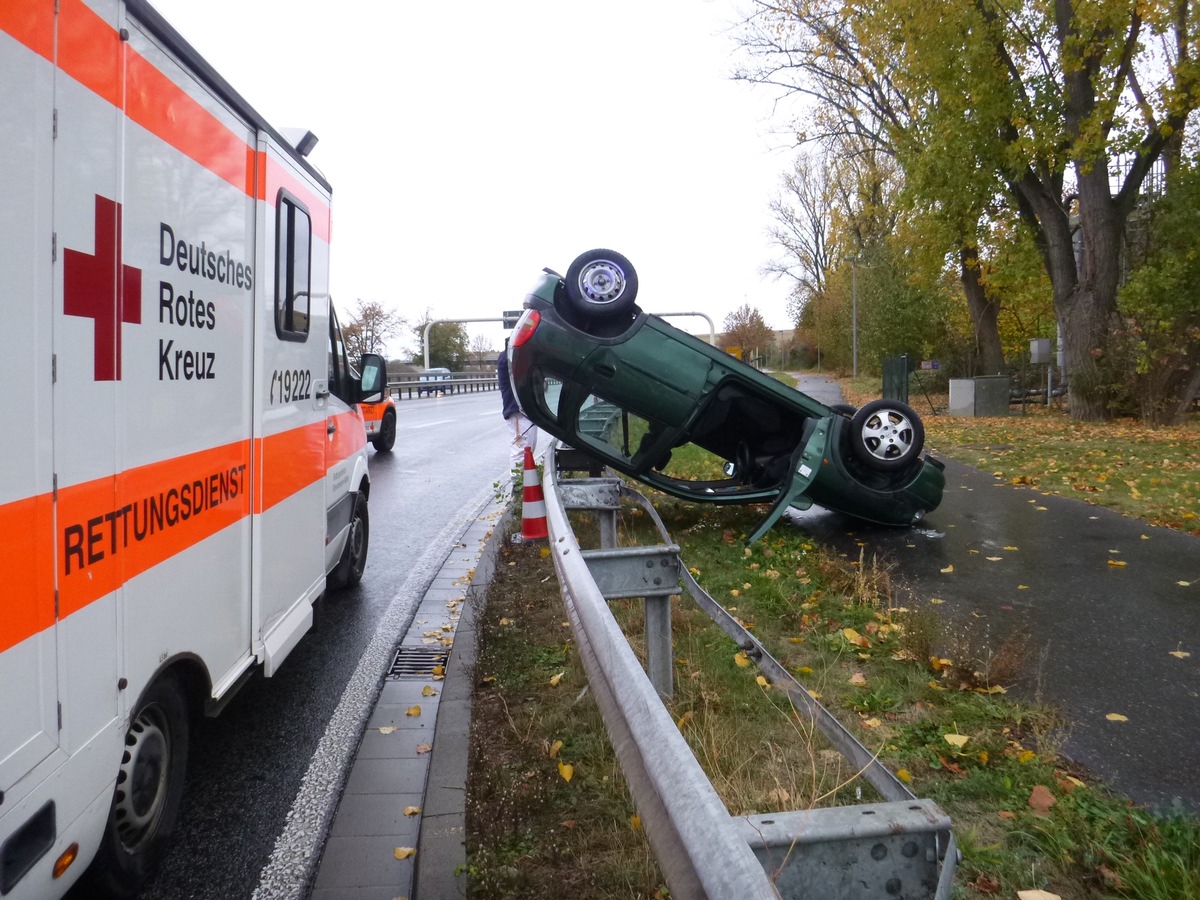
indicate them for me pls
(368, 328)
(481, 350)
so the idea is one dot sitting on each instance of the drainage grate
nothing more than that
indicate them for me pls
(416, 662)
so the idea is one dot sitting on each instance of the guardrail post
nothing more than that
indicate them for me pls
(658, 645)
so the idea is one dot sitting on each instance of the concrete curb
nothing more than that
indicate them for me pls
(414, 750)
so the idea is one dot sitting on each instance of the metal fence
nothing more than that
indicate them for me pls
(902, 847)
(412, 388)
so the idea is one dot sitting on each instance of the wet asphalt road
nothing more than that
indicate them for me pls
(1099, 636)
(246, 765)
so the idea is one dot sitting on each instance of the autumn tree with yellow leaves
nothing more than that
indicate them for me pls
(1056, 110)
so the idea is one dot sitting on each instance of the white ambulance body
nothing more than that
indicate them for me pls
(182, 464)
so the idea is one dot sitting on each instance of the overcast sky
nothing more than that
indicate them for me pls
(471, 143)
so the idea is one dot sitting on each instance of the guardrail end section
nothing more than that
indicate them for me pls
(896, 849)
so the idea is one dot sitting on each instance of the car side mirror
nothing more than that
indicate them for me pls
(374, 374)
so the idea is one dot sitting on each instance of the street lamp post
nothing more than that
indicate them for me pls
(854, 311)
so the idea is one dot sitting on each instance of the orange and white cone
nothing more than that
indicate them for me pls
(533, 503)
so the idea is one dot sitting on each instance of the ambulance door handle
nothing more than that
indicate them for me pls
(322, 395)
(330, 426)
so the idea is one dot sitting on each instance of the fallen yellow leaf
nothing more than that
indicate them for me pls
(872, 722)
(423, 748)
(554, 748)
(948, 569)
(858, 678)
(412, 810)
(428, 691)
(439, 670)
(544, 552)
(937, 601)
(556, 679)
(635, 823)
(413, 711)
(763, 683)
(566, 770)
(404, 852)
(1037, 895)
(1117, 563)
(387, 729)
(956, 740)
(1180, 654)
(683, 720)
(903, 775)
(1116, 717)
(741, 659)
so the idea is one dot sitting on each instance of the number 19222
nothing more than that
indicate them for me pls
(290, 385)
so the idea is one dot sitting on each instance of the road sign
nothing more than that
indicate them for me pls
(511, 316)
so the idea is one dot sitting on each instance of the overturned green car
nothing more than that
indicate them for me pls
(597, 372)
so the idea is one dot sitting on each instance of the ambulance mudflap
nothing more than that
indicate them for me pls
(184, 469)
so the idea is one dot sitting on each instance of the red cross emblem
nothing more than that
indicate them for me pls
(100, 287)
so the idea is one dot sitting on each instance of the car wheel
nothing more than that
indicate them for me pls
(386, 438)
(349, 570)
(601, 284)
(887, 435)
(149, 788)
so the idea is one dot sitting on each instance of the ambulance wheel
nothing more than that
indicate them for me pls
(145, 805)
(386, 438)
(349, 570)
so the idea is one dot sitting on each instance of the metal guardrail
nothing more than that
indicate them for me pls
(408, 388)
(901, 847)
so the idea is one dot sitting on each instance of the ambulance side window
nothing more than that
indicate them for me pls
(293, 249)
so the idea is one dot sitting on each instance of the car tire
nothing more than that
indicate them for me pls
(887, 435)
(844, 409)
(601, 284)
(149, 790)
(349, 570)
(385, 440)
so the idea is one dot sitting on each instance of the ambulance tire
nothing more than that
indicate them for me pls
(386, 439)
(349, 570)
(146, 801)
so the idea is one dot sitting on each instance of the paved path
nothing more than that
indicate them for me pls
(1102, 602)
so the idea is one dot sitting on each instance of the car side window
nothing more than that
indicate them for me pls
(550, 389)
(611, 428)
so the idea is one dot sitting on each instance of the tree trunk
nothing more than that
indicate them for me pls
(1189, 395)
(1088, 313)
(985, 314)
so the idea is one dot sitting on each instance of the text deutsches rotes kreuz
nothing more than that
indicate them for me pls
(180, 359)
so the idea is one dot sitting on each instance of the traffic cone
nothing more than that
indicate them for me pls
(533, 503)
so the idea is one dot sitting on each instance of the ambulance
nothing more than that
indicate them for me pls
(183, 470)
